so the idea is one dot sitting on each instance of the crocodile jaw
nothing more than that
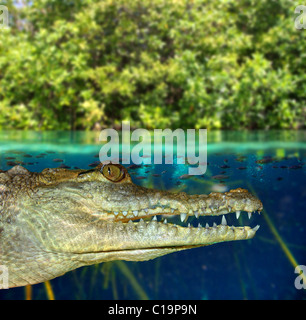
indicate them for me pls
(130, 235)
(148, 239)
(110, 219)
(138, 241)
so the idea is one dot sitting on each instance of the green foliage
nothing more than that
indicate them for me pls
(177, 63)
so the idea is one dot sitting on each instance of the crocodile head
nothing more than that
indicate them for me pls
(58, 220)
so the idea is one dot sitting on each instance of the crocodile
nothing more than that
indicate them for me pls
(57, 220)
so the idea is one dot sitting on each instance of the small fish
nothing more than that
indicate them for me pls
(265, 160)
(224, 166)
(11, 163)
(64, 166)
(134, 166)
(184, 176)
(296, 167)
(94, 164)
(220, 177)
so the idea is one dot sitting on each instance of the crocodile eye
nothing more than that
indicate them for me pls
(112, 172)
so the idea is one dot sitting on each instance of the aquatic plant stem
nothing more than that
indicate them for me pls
(283, 245)
(49, 290)
(278, 238)
(133, 281)
(28, 292)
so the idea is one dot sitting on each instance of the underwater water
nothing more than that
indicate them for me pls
(271, 165)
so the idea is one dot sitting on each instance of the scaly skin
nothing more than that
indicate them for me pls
(58, 220)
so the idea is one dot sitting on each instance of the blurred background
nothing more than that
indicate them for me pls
(89, 64)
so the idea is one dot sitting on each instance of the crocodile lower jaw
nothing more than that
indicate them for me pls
(150, 221)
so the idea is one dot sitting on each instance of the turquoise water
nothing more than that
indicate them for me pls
(270, 164)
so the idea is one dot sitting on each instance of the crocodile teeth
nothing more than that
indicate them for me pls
(196, 214)
(183, 216)
(141, 223)
(256, 228)
(165, 221)
(223, 222)
(249, 214)
(237, 214)
(135, 213)
(124, 213)
(154, 218)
